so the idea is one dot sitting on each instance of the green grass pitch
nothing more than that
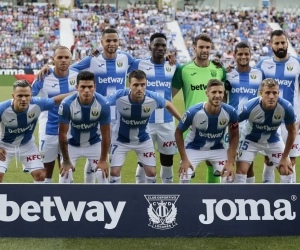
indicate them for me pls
(15, 174)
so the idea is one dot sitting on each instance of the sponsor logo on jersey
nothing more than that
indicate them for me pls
(282, 210)
(51, 209)
(31, 115)
(199, 87)
(20, 130)
(84, 126)
(168, 144)
(95, 112)
(111, 80)
(120, 64)
(33, 158)
(193, 73)
(211, 135)
(213, 73)
(146, 109)
(284, 82)
(162, 211)
(266, 127)
(243, 90)
(134, 122)
(158, 83)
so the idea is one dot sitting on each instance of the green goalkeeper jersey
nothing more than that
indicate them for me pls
(193, 81)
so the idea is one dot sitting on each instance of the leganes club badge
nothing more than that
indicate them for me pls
(162, 211)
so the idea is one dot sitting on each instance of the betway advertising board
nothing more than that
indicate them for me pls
(52, 210)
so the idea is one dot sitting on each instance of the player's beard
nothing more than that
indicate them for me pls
(280, 53)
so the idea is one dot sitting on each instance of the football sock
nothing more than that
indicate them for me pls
(115, 179)
(89, 174)
(294, 174)
(166, 174)
(48, 180)
(140, 176)
(63, 179)
(250, 179)
(150, 179)
(38, 182)
(100, 178)
(240, 178)
(268, 174)
(286, 178)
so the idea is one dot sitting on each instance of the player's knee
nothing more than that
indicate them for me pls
(150, 171)
(166, 160)
(115, 171)
(38, 175)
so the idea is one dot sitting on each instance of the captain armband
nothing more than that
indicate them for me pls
(234, 125)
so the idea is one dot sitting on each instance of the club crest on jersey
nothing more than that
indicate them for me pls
(213, 73)
(162, 211)
(253, 76)
(289, 68)
(31, 115)
(168, 69)
(277, 116)
(120, 64)
(146, 109)
(95, 112)
(72, 82)
(222, 122)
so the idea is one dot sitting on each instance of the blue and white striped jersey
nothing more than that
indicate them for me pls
(287, 74)
(207, 130)
(84, 119)
(110, 74)
(133, 117)
(159, 79)
(245, 86)
(49, 87)
(262, 125)
(17, 127)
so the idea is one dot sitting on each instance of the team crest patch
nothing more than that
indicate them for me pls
(162, 211)
(277, 116)
(72, 81)
(289, 67)
(253, 76)
(146, 109)
(213, 73)
(222, 122)
(168, 69)
(31, 115)
(95, 112)
(120, 64)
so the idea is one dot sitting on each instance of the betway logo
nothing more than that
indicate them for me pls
(284, 82)
(266, 127)
(84, 126)
(243, 90)
(210, 135)
(283, 210)
(111, 80)
(134, 122)
(32, 211)
(158, 83)
(20, 130)
(199, 87)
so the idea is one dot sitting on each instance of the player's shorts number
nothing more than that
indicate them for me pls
(113, 148)
(244, 145)
(42, 144)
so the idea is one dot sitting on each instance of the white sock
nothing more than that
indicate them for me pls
(185, 179)
(115, 179)
(166, 174)
(38, 182)
(251, 179)
(89, 174)
(63, 179)
(240, 178)
(150, 179)
(140, 176)
(268, 174)
(99, 177)
(286, 178)
(294, 174)
(48, 180)
(226, 179)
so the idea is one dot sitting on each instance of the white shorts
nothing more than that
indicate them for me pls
(49, 147)
(144, 151)
(164, 135)
(295, 150)
(28, 154)
(248, 150)
(216, 157)
(91, 153)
